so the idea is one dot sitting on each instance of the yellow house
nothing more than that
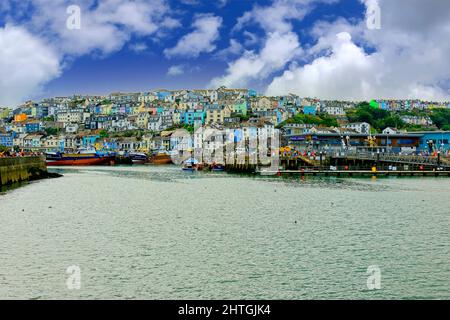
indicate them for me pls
(4, 113)
(142, 120)
(98, 145)
(183, 106)
(176, 118)
(217, 114)
(106, 108)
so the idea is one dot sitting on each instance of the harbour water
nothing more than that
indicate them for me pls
(159, 233)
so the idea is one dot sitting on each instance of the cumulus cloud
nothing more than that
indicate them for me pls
(278, 50)
(106, 26)
(280, 44)
(176, 70)
(138, 47)
(201, 39)
(329, 76)
(234, 49)
(26, 63)
(406, 58)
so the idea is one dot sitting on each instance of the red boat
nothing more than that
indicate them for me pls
(78, 159)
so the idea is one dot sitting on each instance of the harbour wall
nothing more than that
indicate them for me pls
(19, 169)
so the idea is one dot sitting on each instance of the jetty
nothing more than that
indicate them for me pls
(350, 164)
(18, 169)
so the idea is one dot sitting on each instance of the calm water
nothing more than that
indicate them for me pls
(160, 233)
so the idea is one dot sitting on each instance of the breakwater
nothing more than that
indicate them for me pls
(13, 170)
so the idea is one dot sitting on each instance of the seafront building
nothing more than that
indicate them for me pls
(144, 121)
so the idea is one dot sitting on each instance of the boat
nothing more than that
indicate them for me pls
(217, 167)
(190, 165)
(161, 157)
(81, 158)
(138, 157)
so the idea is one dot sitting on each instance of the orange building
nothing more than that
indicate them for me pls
(20, 117)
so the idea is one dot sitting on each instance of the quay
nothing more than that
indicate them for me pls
(18, 169)
(357, 173)
(350, 165)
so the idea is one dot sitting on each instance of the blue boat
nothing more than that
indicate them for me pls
(218, 167)
(190, 165)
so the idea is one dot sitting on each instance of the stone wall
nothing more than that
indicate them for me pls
(22, 169)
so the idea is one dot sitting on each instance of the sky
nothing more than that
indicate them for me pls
(329, 49)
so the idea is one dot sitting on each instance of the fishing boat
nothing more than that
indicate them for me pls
(161, 157)
(138, 157)
(190, 165)
(81, 158)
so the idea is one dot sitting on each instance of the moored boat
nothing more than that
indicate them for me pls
(138, 157)
(217, 167)
(79, 159)
(190, 165)
(161, 157)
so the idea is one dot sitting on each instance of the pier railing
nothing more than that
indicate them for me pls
(393, 158)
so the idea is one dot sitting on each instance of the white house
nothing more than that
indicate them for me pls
(360, 127)
(334, 110)
(390, 130)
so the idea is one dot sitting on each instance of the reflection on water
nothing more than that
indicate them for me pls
(159, 232)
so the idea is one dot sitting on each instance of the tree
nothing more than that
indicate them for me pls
(52, 131)
(103, 134)
(378, 118)
(441, 118)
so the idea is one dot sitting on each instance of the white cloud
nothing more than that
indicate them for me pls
(26, 63)
(280, 43)
(176, 70)
(278, 50)
(138, 47)
(106, 26)
(234, 49)
(250, 38)
(278, 15)
(408, 57)
(329, 76)
(206, 32)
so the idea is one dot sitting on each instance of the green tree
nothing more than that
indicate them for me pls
(379, 119)
(103, 134)
(441, 118)
(50, 131)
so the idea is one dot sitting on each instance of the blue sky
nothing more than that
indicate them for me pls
(320, 48)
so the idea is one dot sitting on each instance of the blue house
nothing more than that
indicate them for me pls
(252, 93)
(191, 116)
(90, 140)
(310, 110)
(384, 106)
(439, 139)
(7, 139)
(162, 94)
(32, 127)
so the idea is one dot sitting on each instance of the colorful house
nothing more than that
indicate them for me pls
(90, 140)
(191, 116)
(32, 127)
(240, 107)
(7, 139)
(438, 140)
(312, 110)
